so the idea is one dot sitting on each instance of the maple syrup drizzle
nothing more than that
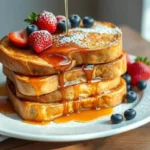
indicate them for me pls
(37, 84)
(88, 72)
(85, 116)
(76, 103)
(76, 91)
(76, 106)
(62, 90)
(65, 112)
(84, 54)
(96, 102)
(59, 62)
(61, 79)
(6, 107)
(95, 95)
(66, 12)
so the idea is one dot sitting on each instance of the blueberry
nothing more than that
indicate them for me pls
(141, 85)
(116, 118)
(31, 28)
(129, 87)
(62, 25)
(129, 114)
(75, 20)
(88, 22)
(127, 78)
(131, 96)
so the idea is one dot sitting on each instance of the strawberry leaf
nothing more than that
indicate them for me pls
(148, 63)
(28, 21)
(31, 18)
(144, 60)
(138, 58)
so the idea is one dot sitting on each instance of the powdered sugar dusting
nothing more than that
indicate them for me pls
(47, 16)
(80, 36)
(75, 38)
(100, 29)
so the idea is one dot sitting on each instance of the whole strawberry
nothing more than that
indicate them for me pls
(139, 70)
(40, 40)
(44, 21)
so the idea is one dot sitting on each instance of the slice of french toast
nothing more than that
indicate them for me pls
(36, 86)
(100, 44)
(74, 92)
(49, 111)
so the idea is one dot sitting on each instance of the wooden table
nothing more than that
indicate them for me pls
(138, 139)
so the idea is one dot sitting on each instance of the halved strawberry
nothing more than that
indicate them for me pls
(40, 40)
(139, 70)
(19, 38)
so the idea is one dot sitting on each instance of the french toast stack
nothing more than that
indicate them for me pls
(80, 71)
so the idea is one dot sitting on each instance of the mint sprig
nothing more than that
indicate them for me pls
(31, 18)
(144, 60)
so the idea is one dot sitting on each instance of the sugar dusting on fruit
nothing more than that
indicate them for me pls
(46, 15)
(40, 40)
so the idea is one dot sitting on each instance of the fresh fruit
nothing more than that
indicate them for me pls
(131, 96)
(75, 20)
(129, 114)
(88, 22)
(45, 21)
(141, 85)
(31, 28)
(61, 26)
(127, 78)
(40, 40)
(116, 118)
(129, 87)
(19, 38)
(139, 70)
(60, 17)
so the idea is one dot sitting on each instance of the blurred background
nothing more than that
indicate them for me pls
(134, 13)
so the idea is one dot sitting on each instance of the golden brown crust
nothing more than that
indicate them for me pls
(49, 111)
(27, 62)
(50, 83)
(85, 90)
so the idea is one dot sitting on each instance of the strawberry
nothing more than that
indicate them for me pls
(60, 17)
(40, 40)
(45, 21)
(139, 70)
(19, 38)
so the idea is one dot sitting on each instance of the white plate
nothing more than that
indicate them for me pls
(12, 125)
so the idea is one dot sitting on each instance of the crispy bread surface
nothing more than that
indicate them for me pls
(74, 92)
(101, 44)
(49, 111)
(33, 86)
